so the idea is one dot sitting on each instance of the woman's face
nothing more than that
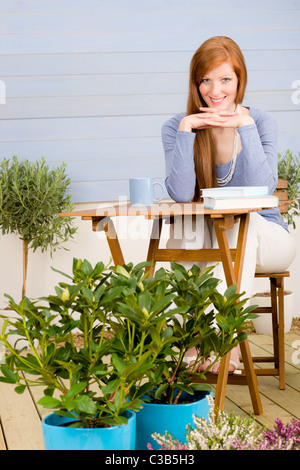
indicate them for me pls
(218, 87)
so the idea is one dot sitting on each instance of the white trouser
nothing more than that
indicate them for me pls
(269, 248)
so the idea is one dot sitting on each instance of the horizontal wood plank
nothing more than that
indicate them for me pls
(131, 84)
(32, 6)
(143, 41)
(106, 127)
(122, 105)
(43, 64)
(102, 148)
(122, 21)
(57, 151)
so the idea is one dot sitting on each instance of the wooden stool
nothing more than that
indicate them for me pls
(277, 312)
(276, 309)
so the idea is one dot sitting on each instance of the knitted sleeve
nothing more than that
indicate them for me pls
(259, 151)
(179, 160)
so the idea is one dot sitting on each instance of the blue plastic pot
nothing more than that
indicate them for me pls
(58, 437)
(160, 418)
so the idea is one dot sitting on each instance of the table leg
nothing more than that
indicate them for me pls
(251, 377)
(111, 235)
(222, 382)
(241, 248)
(225, 252)
(233, 276)
(153, 244)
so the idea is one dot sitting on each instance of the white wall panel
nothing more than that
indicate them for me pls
(130, 84)
(34, 6)
(147, 41)
(91, 82)
(120, 21)
(133, 62)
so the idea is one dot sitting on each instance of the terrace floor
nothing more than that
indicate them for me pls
(20, 417)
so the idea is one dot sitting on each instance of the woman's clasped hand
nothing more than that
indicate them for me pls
(213, 117)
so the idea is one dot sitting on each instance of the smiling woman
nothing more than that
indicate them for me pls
(218, 78)
(221, 142)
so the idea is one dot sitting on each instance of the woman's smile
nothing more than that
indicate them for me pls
(217, 101)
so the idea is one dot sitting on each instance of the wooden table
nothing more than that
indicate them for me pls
(232, 261)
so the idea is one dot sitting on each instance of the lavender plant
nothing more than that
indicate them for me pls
(229, 432)
(281, 437)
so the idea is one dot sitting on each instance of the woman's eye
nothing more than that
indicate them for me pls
(205, 80)
(226, 79)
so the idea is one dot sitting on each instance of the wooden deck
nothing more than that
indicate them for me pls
(20, 417)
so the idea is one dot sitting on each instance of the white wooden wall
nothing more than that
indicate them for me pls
(90, 82)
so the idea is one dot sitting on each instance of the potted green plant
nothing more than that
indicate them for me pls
(173, 394)
(31, 197)
(93, 387)
(135, 331)
(289, 170)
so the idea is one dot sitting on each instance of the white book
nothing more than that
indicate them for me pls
(235, 191)
(263, 202)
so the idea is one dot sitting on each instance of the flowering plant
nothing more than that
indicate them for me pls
(281, 437)
(229, 432)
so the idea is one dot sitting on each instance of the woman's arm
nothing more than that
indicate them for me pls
(179, 160)
(259, 150)
(178, 142)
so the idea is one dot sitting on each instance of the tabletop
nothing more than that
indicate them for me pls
(161, 209)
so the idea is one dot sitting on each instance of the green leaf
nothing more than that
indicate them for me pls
(167, 332)
(119, 364)
(160, 390)
(85, 404)
(112, 294)
(99, 292)
(121, 270)
(111, 387)
(222, 323)
(76, 389)
(49, 402)
(162, 304)
(159, 372)
(20, 389)
(201, 386)
(88, 294)
(9, 376)
(185, 388)
(144, 300)
(86, 267)
(155, 336)
(230, 291)
(60, 272)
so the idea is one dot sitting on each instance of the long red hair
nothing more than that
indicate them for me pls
(212, 53)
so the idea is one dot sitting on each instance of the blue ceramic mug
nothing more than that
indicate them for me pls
(142, 191)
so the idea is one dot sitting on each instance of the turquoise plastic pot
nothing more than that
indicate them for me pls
(172, 418)
(58, 437)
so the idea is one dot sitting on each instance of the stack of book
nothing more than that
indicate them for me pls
(239, 197)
